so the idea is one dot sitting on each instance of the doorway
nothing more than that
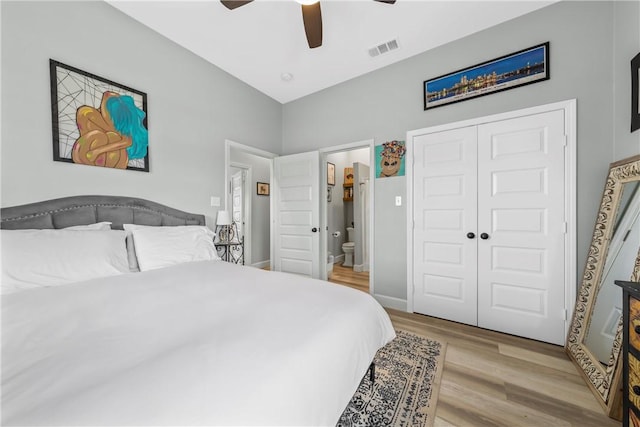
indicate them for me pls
(300, 191)
(240, 198)
(347, 212)
(245, 168)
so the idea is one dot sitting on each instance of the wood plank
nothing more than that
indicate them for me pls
(496, 379)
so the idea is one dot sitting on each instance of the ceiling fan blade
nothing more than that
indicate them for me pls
(312, 18)
(386, 1)
(232, 4)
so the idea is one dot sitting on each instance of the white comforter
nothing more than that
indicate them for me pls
(204, 343)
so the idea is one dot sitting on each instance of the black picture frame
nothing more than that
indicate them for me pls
(72, 88)
(497, 75)
(331, 174)
(635, 93)
(262, 188)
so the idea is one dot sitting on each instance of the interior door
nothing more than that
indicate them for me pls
(297, 214)
(522, 226)
(445, 206)
(237, 200)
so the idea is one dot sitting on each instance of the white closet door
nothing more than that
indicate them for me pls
(297, 208)
(521, 208)
(445, 206)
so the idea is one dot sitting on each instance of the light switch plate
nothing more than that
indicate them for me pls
(215, 201)
(398, 200)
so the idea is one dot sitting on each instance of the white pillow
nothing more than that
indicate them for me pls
(37, 258)
(158, 247)
(105, 225)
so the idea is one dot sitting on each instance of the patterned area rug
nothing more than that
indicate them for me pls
(405, 392)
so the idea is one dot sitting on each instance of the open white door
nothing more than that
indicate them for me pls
(237, 200)
(296, 192)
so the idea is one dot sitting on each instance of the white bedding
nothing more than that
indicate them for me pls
(203, 343)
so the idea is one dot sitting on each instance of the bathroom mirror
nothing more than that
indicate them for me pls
(595, 337)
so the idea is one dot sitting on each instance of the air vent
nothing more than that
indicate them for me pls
(384, 48)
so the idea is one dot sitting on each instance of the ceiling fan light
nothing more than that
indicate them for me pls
(307, 2)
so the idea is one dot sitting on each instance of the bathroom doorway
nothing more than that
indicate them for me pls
(348, 209)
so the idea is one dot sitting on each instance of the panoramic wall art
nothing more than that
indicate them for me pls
(97, 122)
(507, 72)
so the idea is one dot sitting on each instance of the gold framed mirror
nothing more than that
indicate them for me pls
(595, 336)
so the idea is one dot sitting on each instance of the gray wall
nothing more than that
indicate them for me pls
(385, 104)
(193, 107)
(260, 207)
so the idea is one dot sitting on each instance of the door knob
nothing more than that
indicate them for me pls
(314, 230)
(484, 236)
(471, 235)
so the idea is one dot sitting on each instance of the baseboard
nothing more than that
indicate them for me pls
(391, 302)
(359, 268)
(261, 264)
(338, 259)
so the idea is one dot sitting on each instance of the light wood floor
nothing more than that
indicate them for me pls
(494, 379)
(346, 276)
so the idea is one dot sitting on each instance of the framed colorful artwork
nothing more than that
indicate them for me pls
(97, 122)
(390, 159)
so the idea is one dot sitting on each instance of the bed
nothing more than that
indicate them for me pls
(203, 342)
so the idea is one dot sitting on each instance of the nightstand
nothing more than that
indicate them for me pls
(631, 353)
(232, 251)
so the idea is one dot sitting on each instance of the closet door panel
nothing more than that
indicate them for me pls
(521, 209)
(445, 205)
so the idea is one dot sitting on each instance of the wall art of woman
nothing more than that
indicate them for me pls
(112, 134)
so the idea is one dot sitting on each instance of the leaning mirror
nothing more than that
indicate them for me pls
(595, 336)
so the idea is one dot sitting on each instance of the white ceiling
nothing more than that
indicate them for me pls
(260, 41)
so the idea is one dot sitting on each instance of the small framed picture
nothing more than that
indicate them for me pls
(331, 174)
(262, 189)
(635, 93)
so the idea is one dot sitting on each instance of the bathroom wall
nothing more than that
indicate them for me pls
(340, 213)
(335, 208)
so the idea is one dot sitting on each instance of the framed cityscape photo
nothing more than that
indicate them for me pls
(521, 68)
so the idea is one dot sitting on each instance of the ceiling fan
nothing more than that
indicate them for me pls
(311, 17)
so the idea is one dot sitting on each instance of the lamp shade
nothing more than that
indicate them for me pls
(223, 218)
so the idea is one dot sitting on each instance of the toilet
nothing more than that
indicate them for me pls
(348, 248)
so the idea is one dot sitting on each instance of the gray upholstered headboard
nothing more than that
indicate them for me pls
(82, 210)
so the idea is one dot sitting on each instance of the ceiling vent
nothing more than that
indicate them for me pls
(384, 48)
